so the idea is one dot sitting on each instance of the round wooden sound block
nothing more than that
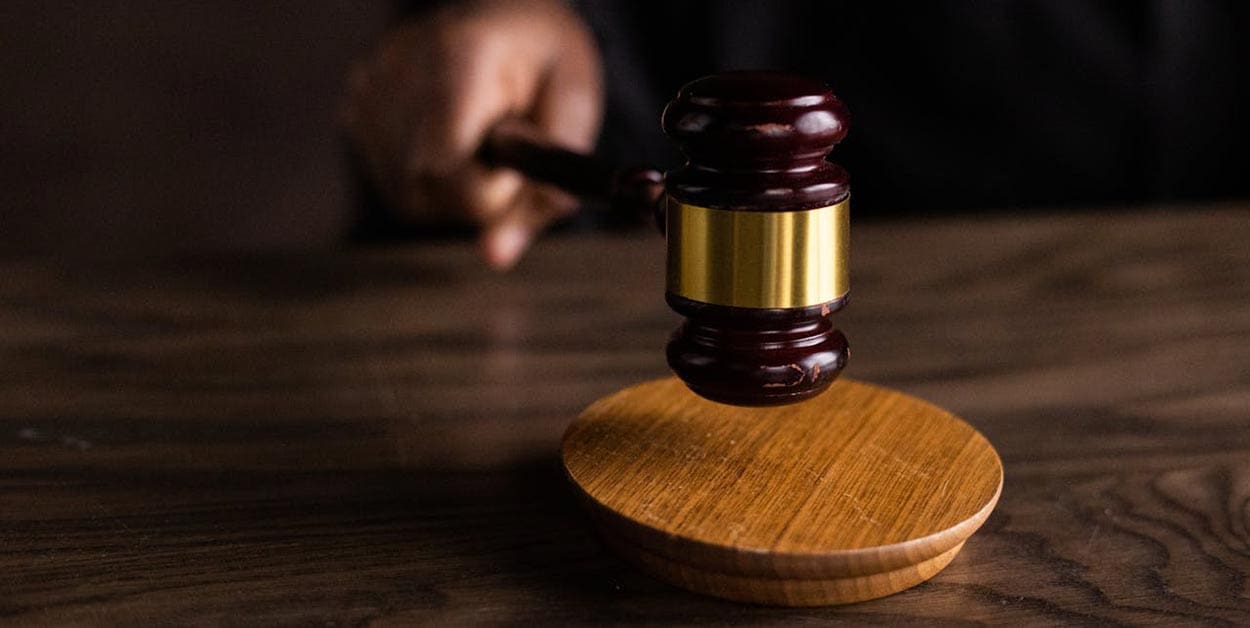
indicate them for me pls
(856, 494)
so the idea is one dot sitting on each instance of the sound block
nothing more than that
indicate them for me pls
(855, 494)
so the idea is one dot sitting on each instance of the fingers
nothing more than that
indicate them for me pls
(504, 241)
(473, 86)
(445, 142)
(418, 111)
(568, 108)
(569, 103)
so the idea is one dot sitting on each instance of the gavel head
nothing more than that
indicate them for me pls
(757, 230)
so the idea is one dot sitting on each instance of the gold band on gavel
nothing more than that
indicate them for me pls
(758, 259)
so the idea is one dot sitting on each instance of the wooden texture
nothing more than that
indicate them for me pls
(855, 494)
(373, 438)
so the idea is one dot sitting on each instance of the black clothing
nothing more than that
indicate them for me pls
(960, 104)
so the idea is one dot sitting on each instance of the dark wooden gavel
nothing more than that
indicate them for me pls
(757, 224)
(634, 191)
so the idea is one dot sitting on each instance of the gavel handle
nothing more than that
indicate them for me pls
(516, 144)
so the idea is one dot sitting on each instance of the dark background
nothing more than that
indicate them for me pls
(128, 127)
(132, 127)
(974, 106)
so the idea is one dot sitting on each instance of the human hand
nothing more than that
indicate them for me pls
(420, 107)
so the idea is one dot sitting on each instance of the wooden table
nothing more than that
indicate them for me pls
(371, 436)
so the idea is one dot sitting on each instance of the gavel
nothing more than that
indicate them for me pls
(757, 227)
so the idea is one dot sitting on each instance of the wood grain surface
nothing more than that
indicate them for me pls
(372, 437)
(854, 494)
